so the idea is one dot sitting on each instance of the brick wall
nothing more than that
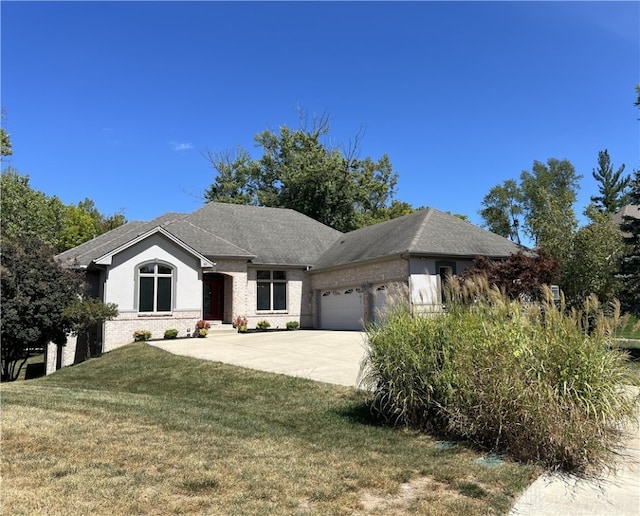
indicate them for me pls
(119, 332)
(391, 272)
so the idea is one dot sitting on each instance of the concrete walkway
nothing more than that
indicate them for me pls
(335, 357)
(613, 495)
(325, 356)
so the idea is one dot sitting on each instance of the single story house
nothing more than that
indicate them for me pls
(228, 260)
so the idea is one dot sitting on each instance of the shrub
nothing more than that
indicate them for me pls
(263, 325)
(531, 381)
(141, 335)
(171, 333)
(293, 325)
(202, 328)
(240, 321)
(202, 325)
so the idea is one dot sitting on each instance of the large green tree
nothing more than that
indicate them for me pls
(300, 170)
(502, 209)
(25, 211)
(549, 192)
(630, 261)
(612, 186)
(592, 266)
(35, 292)
(540, 205)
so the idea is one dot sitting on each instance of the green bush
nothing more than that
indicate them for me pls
(141, 335)
(171, 333)
(293, 325)
(531, 381)
(263, 325)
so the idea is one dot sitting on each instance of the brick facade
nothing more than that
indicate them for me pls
(392, 272)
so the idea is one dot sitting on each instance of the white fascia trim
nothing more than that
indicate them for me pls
(106, 259)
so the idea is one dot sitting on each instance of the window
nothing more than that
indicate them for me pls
(155, 292)
(272, 290)
(446, 270)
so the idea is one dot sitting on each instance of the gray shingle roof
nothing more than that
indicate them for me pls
(218, 230)
(627, 211)
(274, 236)
(85, 253)
(426, 232)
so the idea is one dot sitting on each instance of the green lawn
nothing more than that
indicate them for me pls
(141, 431)
(629, 328)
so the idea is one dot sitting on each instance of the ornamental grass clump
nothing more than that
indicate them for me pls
(537, 382)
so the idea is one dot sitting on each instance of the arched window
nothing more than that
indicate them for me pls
(155, 287)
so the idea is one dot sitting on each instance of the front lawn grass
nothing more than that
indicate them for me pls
(629, 328)
(141, 431)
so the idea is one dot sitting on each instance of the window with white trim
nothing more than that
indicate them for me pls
(272, 290)
(155, 287)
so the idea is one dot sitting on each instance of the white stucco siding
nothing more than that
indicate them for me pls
(120, 284)
(424, 279)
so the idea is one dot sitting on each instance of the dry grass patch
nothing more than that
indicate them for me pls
(140, 431)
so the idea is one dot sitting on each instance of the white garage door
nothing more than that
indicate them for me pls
(341, 309)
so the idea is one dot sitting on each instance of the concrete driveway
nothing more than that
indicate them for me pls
(325, 356)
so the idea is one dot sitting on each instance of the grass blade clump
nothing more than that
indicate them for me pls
(534, 381)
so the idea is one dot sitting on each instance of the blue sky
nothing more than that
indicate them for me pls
(116, 101)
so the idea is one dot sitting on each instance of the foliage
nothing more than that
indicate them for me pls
(171, 333)
(5, 142)
(531, 381)
(85, 314)
(592, 266)
(202, 328)
(612, 185)
(35, 291)
(293, 325)
(629, 272)
(26, 211)
(203, 325)
(298, 170)
(239, 320)
(263, 325)
(502, 210)
(548, 195)
(541, 205)
(519, 275)
(141, 335)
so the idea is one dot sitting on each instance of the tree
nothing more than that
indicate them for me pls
(548, 195)
(544, 201)
(298, 170)
(612, 185)
(630, 261)
(519, 275)
(5, 141)
(29, 212)
(35, 292)
(84, 315)
(502, 209)
(629, 272)
(592, 266)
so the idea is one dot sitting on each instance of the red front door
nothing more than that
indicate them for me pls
(213, 297)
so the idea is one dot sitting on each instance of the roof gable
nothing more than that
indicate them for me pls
(263, 235)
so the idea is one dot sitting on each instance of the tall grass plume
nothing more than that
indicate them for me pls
(535, 381)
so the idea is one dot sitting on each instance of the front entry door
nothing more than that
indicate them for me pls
(213, 297)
